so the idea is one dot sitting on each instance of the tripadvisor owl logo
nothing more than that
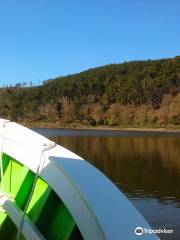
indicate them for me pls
(138, 231)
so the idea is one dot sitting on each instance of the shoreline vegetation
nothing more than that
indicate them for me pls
(169, 128)
(143, 94)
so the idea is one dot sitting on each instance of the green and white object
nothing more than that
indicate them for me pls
(48, 192)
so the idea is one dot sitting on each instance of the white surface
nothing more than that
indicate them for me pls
(98, 207)
(29, 231)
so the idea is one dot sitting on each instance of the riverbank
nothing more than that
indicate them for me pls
(155, 128)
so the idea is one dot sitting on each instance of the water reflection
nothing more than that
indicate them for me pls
(146, 169)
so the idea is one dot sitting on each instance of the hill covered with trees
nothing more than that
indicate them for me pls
(137, 93)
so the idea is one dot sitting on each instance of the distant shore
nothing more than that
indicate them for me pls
(100, 127)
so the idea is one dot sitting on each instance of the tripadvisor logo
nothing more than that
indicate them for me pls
(139, 231)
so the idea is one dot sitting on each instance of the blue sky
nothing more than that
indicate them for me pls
(41, 39)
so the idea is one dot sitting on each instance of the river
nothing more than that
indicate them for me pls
(144, 165)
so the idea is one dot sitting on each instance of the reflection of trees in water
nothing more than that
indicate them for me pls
(141, 166)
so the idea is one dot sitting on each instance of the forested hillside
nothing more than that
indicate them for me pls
(138, 93)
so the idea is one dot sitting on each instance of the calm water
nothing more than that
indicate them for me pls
(145, 166)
